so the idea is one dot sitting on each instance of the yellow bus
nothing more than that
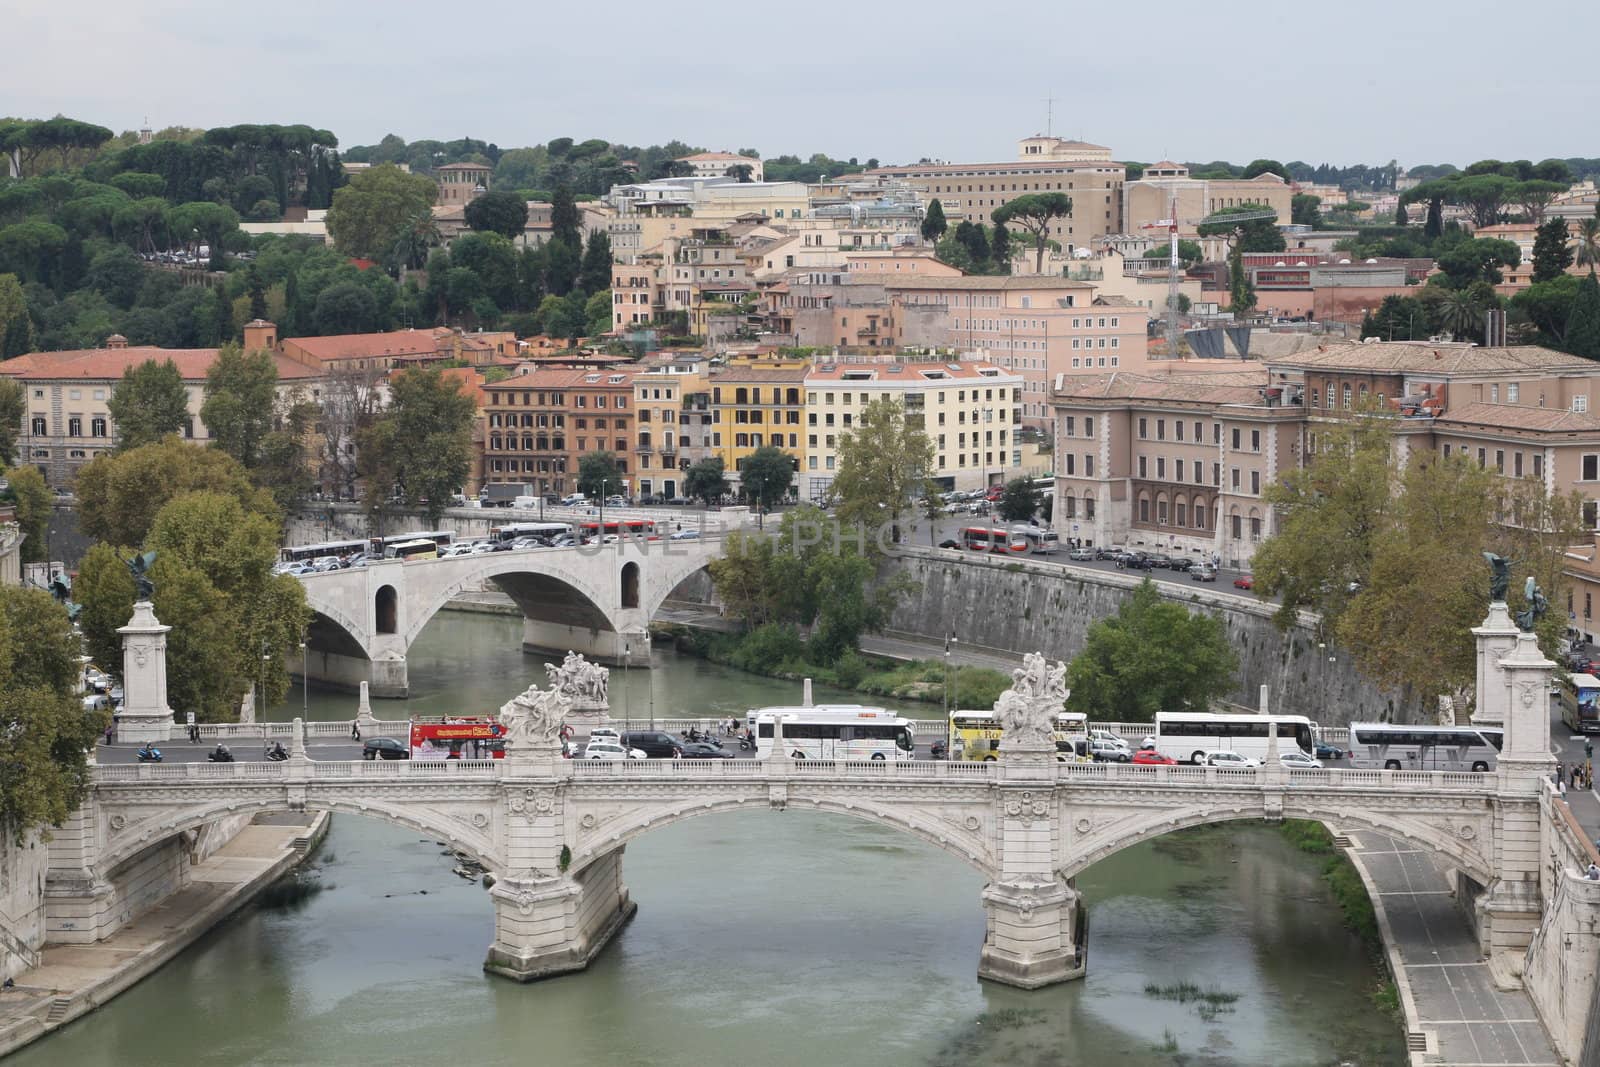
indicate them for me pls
(975, 735)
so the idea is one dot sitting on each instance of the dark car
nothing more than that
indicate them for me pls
(384, 748)
(1158, 559)
(654, 743)
(949, 543)
(701, 750)
(1135, 561)
(1181, 563)
(1327, 751)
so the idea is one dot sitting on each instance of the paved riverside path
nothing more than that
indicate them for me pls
(72, 980)
(1443, 979)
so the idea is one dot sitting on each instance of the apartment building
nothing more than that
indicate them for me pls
(1035, 326)
(967, 409)
(673, 427)
(1152, 197)
(716, 164)
(1175, 456)
(972, 191)
(462, 182)
(753, 406)
(68, 419)
(542, 421)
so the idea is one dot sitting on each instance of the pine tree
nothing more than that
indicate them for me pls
(1552, 252)
(564, 222)
(595, 272)
(1583, 322)
(290, 326)
(1434, 226)
(1400, 216)
(933, 223)
(1000, 249)
(258, 295)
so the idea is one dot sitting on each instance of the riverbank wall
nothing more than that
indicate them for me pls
(227, 872)
(1027, 605)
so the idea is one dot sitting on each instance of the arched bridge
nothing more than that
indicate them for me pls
(586, 599)
(553, 831)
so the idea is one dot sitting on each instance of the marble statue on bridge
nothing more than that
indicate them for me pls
(533, 718)
(1027, 710)
(581, 681)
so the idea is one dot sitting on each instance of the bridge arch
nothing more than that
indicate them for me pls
(967, 846)
(129, 842)
(576, 600)
(385, 610)
(1101, 844)
(630, 584)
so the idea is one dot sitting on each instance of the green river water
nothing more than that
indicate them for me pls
(762, 938)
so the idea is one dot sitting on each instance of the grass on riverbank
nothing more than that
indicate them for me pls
(780, 652)
(1348, 889)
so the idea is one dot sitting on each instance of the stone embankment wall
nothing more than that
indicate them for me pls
(1026, 606)
(22, 871)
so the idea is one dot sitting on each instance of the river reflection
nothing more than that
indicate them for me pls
(786, 938)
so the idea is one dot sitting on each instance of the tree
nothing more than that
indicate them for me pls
(1020, 500)
(16, 328)
(1552, 251)
(1034, 212)
(1400, 216)
(429, 438)
(1478, 260)
(1329, 510)
(1459, 315)
(1535, 196)
(594, 272)
(881, 463)
(1588, 250)
(1000, 249)
(350, 402)
(241, 392)
(1583, 321)
(204, 222)
(1242, 295)
(932, 508)
(148, 404)
(117, 275)
(1547, 306)
(598, 477)
(370, 212)
(706, 480)
(348, 307)
(1305, 210)
(104, 590)
(933, 223)
(744, 172)
(48, 734)
(1252, 235)
(566, 225)
(1398, 318)
(34, 505)
(499, 212)
(13, 409)
(765, 476)
(119, 495)
(1150, 656)
(1258, 167)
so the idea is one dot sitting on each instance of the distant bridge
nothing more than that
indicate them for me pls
(590, 599)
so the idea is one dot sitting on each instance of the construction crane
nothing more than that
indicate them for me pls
(1171, 224)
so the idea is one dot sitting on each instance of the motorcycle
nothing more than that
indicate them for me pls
(149, 755)
(938, 750)
(222, 756)
(276, 754)
(747, 744)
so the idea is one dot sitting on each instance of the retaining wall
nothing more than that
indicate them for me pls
(1026, 605)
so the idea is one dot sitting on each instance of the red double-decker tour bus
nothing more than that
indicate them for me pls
(457, 739)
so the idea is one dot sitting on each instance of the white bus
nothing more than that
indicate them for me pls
(1187, 737)
(1040, 541)
(307, 553)
(421, 548)
(836, 731)
(385, 545)
(1402, 747)
(977, 734)
(546, 531)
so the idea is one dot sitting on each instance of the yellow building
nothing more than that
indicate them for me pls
(753, 406)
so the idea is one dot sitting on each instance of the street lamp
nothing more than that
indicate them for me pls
(305, 682)
(627, 720)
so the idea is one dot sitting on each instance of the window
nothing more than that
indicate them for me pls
(1255, 440)
(1142, 429)
(1580, 404)
(1197, 436)
(1345, 396)
(1238, 526)
(1200, 517)
(39, 429)
(1216, 474)
(1177, 429)
(1538, 465)
(1216, 433)
(1591, 467)
(1255, 527)
(1161, 429)
(1161, 512)
(1088, 507)
(1494, 394)
(1512, 393)
(1516, 464)
(1144, 509)
(1255, 482)
(1233, 476)
(97, 426)
(1235, 436)
(1500, 460)
(1088, 468)
(75, 426)
(1088, 427)
(1161, 466)
(1142, 471)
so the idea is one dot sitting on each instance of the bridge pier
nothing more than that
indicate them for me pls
(385, 676)
(1032, 933)
(551, 925)
(596, 646)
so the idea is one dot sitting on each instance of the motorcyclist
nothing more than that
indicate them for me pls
(276, 751)
(222, 755)
(146, 752)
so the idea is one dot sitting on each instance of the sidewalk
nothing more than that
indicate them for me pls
(72, 980)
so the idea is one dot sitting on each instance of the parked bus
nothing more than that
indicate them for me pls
(977, 734)
(1396, 747)
(548, 531)
(1186, 736)
(1580, 702)
(1041, 542)
(382, 546)
(458, 739)
(637, 529)
(836, 731)
(307, 553)
(984, 539)
(422, 548)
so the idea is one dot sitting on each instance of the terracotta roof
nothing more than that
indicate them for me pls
(911, 372)
(108, 364)
(1520, 417)
(709, 157)
(369, 345)
(994, 282)
(1439, 358)
(759, 375)
(1235, 387)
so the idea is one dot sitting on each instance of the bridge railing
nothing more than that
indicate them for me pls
(252, 771)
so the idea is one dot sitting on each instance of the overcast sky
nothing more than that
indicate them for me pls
(1420, 81)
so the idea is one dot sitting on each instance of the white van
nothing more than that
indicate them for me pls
(525, 502)
(575, 500)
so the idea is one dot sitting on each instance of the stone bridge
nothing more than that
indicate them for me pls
(590, 599)
(553, 831)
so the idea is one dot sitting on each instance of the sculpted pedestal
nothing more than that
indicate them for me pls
(144, 715)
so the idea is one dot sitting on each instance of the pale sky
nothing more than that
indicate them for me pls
(1421, 81)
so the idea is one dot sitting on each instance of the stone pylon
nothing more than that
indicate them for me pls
(145, 715)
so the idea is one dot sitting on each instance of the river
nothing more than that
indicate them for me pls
(786, 939)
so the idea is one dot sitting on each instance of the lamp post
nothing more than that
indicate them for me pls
(305, 681)
(627, 720)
